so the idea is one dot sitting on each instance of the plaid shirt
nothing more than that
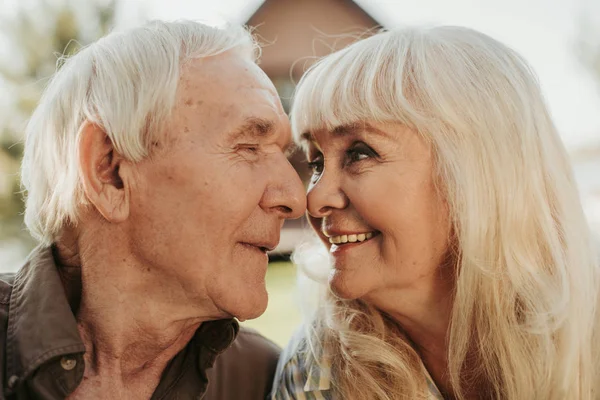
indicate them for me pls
(294, 382)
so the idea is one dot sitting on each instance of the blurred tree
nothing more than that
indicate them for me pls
(588, 51)
(37, 35)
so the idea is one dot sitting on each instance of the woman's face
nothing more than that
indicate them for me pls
(373, 202)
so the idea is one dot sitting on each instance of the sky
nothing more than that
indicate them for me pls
(543, 31)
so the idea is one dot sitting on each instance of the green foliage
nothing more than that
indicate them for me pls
(282, 316)
(38, 36)
(588, 46)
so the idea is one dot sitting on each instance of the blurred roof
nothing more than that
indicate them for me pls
(590, 151)
(296, 32)
(254, 7)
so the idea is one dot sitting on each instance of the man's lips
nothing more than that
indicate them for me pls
(263, 246)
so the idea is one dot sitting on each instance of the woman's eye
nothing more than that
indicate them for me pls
(316, 165)
(359, 152)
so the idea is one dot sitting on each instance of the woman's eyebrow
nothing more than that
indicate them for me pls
(340, 130)
(345, 130)
(307, 137)
(356, 128)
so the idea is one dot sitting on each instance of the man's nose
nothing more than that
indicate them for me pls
(285, 195)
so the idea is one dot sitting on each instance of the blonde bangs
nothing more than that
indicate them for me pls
(353, 85)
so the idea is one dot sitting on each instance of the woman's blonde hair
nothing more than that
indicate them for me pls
(525, 301)
(126, 83)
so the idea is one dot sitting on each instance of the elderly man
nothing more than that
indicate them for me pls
(157, 180)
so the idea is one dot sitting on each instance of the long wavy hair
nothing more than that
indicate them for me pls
(524, 316)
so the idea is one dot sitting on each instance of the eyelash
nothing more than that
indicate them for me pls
(316, 166)
(351, 156)
(252, 148)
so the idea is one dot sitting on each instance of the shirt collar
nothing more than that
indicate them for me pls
(318, 377)
(217, 335)
(41, 324)
(186, 373)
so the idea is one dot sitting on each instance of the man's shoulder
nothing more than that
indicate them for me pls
(250, 351)
(250, 342)
(245, 370)
(6, 285)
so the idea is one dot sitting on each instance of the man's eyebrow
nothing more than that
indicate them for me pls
(254, 128)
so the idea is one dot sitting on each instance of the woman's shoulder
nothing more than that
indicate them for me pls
(296, 377)
(295, 348)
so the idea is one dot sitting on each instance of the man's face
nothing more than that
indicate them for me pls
(206, 208)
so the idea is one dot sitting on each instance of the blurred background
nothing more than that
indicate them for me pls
(560, 38)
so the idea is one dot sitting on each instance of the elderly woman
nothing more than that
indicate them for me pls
(460, 265)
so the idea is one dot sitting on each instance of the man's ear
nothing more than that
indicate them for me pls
(99, 165)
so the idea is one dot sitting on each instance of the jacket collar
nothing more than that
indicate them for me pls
(41, 324)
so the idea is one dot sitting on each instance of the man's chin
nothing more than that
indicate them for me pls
(251, 309)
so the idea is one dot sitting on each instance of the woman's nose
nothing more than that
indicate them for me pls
(325, 195)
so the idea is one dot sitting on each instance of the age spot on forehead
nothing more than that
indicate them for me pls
(189, 102)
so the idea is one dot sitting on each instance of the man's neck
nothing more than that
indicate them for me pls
(129, 348)
(132, 321)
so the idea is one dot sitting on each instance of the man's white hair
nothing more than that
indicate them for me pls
(126, 83)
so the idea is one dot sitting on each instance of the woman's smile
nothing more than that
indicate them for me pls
(346, 242)
(350, 238)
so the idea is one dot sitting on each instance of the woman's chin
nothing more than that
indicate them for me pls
(346, 287)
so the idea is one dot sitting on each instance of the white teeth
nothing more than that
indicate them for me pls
(356, 237)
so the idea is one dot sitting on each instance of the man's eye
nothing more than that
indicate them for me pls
(316, 165)
(251, 148)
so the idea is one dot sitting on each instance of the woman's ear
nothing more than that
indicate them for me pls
(99, 165)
